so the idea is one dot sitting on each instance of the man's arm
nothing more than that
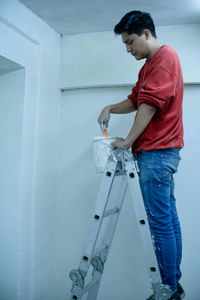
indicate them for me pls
(144, 116)
(123, 107)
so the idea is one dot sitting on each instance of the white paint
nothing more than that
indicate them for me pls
(30, 63)
(11, 115)
(101, 58)
(28, 41)
(187, 191)
(125, 273)
(101, 150)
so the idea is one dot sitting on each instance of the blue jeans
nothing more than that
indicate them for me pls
(156, 169)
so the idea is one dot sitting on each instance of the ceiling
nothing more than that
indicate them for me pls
(79, 16)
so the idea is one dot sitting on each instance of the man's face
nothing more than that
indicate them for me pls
(136, 45)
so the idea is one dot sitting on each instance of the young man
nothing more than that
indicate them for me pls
(156, 137)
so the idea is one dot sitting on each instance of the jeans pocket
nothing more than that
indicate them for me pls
(150, 169)
(169, 166)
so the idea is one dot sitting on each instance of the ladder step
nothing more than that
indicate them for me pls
(111, 212)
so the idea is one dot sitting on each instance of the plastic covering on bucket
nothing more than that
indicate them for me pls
(101, 151)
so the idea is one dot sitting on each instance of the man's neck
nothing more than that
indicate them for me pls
(155, 47)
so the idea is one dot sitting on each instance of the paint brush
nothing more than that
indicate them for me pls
(105, 132)
(104, 128)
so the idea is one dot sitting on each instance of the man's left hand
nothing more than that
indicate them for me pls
(121, 143)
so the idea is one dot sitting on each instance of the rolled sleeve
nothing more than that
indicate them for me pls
(134, 95)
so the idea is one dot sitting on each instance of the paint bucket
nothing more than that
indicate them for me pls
(101, 150)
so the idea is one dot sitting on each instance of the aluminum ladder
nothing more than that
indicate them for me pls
(121, 163)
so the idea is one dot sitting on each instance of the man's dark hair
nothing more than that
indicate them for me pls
(135, 22)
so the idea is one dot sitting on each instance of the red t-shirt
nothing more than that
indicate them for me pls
(160, 84)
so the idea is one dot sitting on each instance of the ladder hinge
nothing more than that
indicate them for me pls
(97, 263)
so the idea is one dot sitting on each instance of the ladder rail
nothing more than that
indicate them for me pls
(111, 226)
(143, 225)
(99, 209)
(108, 235)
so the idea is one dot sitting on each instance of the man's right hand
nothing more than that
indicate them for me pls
(123, 107)
(104, 118)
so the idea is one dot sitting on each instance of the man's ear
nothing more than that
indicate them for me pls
(147, 33)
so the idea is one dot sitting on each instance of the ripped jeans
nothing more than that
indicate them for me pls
(157, 186)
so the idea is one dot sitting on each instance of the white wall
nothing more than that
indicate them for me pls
(125, 271)
(101, 58)
(28, 41)
(187, 191)
(125, 276)
(98, 59)
(11, 115)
